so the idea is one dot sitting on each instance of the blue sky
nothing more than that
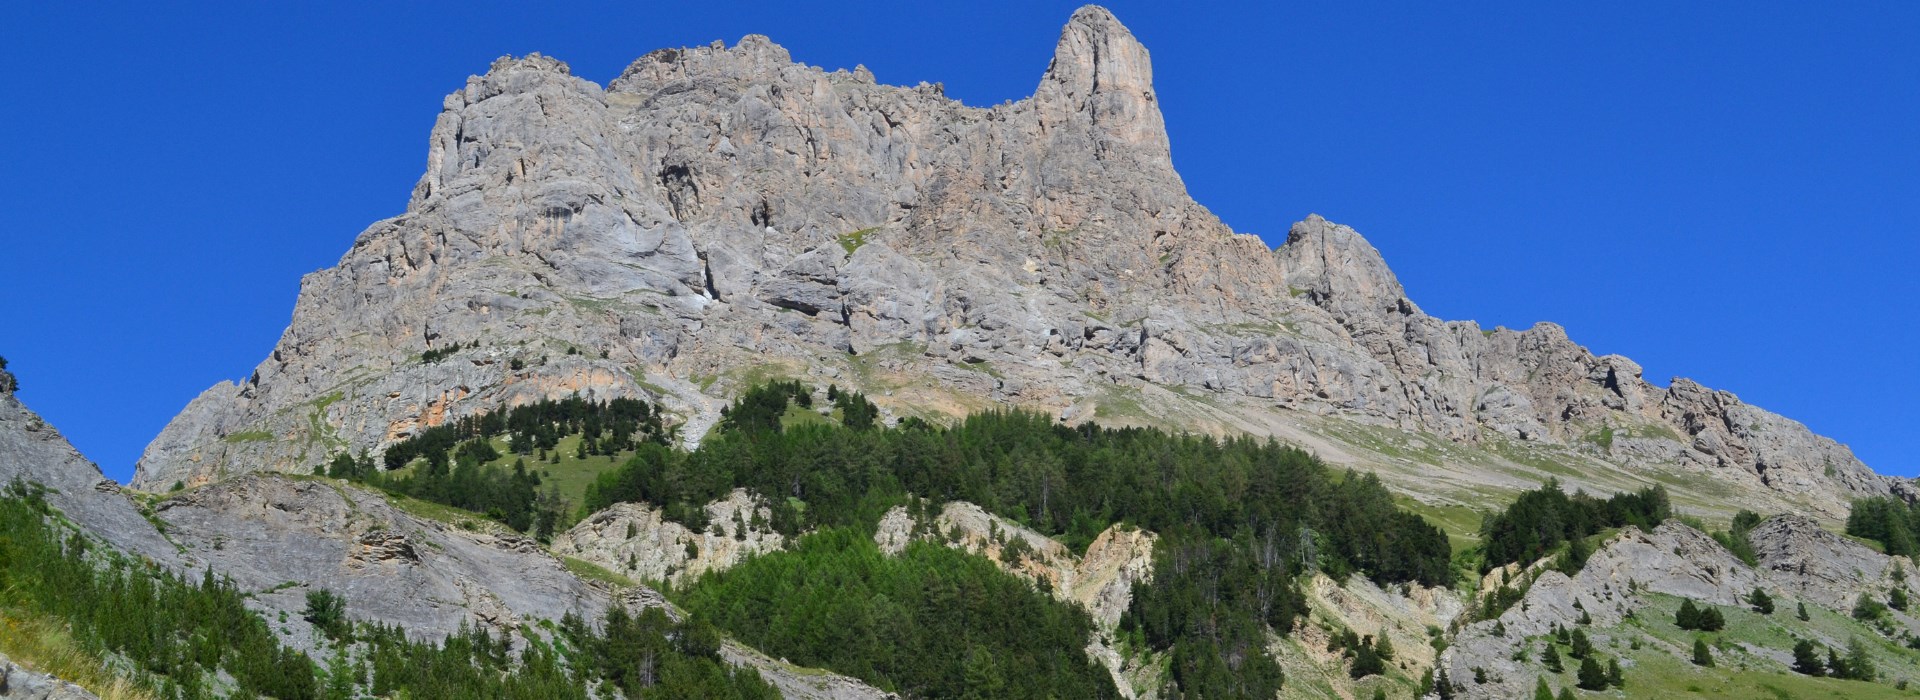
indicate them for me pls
(1724, 191)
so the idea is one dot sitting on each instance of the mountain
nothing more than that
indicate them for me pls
(719, 214)
(771, 254)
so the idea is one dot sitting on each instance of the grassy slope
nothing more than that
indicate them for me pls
(41, 644)
(1748, 656)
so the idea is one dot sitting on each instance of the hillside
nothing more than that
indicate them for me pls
(737, 377)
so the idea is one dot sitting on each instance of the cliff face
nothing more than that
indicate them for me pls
(723, 212)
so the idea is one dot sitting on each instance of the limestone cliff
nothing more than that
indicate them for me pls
(722, 211)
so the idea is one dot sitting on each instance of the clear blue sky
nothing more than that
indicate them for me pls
(1724, 191)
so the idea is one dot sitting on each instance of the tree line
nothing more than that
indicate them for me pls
(1539, 521)
(1240, 519)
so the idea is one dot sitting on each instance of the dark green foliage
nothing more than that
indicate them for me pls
(8, 383)
(433, 355)
(1615, 677)
(760, 409)
(610, 427)
(1702, 656)
(924, 623)
(1565, 694)
(1890, 521)
(174, 632)
(1897, 599)
(509, 496)
(1369, 657)
(856, 412)
(1539, 520)
(1552, 658)
(1542, 691)
(1806, 660)
(327, 612)
(1591, 676)
(1239, 519)
(1704, 619)
(1582, 646)
(1801, 612)
(1761, 602)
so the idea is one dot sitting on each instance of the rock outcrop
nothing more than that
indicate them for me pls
(1799, 562)
(715, 208)
(33, 452)
(281, 538)
(17, 683)
(636, 540)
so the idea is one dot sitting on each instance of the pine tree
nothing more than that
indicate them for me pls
(1384, 648)
(1591, 677)
(1582, 647)
(1898, 599)
(1541, 691)
(1711, 620)
(1615, 677)
(1443, 686)
(1806, 661)
(1552, 658)
(1761, 602)
(1565, 694)
(1688, 618)
(1859, 663)
(1802, 613)
(1702, 656)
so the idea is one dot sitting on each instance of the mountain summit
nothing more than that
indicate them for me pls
(719, 215)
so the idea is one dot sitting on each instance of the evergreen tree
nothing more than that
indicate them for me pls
(1582, 647)
(1541, 691)
(1615, 677)
(1802, 612)
(1806, 660)
(1565, 694)
(327, 612)
(1591, 676)
(1702, 656)
(1897, 599)
(1761, 602)
(1688, 618)
(1552, 658)
(1859, 664)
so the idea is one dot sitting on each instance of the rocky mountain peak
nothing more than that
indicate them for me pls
(726, 213)
(1338, 269)
(1102, 74)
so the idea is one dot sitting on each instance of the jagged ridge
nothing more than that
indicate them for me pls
(725, 212)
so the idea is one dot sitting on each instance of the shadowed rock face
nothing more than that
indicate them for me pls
(718, 208)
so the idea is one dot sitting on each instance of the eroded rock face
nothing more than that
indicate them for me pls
(718, 207)
(638, 541)
(282, 537)
(1798, 562)
(1819, 566)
